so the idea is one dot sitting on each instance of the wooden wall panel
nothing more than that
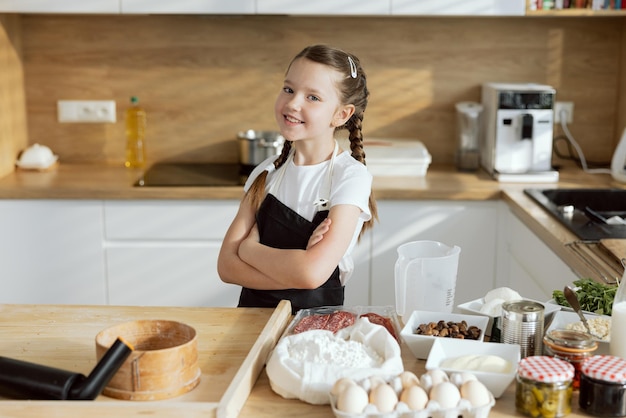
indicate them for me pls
(204, 78)
(13, 135)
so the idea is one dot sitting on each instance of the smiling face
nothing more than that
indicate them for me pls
(308, 106)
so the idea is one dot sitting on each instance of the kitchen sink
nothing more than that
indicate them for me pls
(585, 211)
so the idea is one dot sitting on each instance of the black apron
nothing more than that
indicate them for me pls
(282, 227)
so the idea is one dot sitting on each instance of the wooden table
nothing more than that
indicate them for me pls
(263, 403)
(232, 345)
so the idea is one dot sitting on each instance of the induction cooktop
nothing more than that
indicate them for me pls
(192, 175)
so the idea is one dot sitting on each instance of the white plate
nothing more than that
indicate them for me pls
(473, 307)
(566, 308)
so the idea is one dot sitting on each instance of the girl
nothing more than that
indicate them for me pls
(304, 210)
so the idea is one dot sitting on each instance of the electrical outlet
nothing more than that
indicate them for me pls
(90, 111)
(560, 107)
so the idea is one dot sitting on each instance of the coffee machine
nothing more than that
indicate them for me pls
(518, 131)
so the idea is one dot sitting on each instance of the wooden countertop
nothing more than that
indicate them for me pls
(89, 181)
(64, 337)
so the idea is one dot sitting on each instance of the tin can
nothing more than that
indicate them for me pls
(572, 346)
(522, 323)
(603, 386)
(543, 387)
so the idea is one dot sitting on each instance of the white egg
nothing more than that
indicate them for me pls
(415, 397)
(352, 400)
(432, 378)
(340, 385)
(375, 381)
(475, 392)
(458, 378)
(446, 394)
(384, 397)
(408, 379)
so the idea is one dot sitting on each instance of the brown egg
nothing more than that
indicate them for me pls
(353, 399)
(475, 392)
(446, 394)
(408, 379)
(340, 385)
(384, 397)
(415, 397)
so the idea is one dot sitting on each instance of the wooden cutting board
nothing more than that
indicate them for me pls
(615, 247)
(233, 345)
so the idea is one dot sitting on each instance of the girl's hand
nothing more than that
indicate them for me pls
(319, 232)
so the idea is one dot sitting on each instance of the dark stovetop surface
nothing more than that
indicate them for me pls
(193, 175)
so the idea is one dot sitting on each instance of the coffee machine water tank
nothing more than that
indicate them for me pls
(518, 121)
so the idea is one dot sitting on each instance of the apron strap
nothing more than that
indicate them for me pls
(322, 202)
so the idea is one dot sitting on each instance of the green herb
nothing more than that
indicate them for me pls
(593, 296)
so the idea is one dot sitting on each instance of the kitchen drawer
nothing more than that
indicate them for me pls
(51, 251)
(167, 275)
(168, 220)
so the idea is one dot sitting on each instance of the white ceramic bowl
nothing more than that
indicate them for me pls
(497, 383)
(473, 307)
(562, 319)
(420, 344)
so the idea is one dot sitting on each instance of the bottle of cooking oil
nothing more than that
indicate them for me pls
(135, 135)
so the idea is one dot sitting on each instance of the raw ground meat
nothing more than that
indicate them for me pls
(330, 322)
(311, 322)
(381, 320)
(339, 320)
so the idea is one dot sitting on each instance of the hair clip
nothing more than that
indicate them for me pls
(352, 67)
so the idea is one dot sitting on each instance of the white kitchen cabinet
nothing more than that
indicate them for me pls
(65, 6)
(164, 252)
(525, 263)
(358, 287)
(188, 7)
(51, 252)
(324, 7)
(458, 8)
(470, 225)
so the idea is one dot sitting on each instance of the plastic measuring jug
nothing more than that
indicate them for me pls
(425, 277)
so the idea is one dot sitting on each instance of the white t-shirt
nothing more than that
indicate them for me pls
(301, 186)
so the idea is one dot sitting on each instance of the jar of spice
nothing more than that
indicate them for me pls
(572, 346)
(603, 386)
(543, 387)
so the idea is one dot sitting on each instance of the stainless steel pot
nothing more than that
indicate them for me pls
(256, 146)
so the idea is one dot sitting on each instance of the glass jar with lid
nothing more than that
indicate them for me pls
(572, 346)
(603, 386)
(543, 387)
